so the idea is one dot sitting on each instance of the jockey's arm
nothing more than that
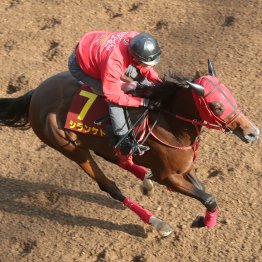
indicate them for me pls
(126, 78)
(144, 75)
(114, 94)
(112, 89)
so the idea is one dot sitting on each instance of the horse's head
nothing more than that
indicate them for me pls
(217, 106)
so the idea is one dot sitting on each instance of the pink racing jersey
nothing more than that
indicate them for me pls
(104, 55)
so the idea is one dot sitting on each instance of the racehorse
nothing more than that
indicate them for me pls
(173, 134)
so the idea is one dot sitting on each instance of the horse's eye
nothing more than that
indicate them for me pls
(217, 108)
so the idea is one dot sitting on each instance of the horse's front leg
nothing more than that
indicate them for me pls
(126, 162)
(93, 170)
(188, 184)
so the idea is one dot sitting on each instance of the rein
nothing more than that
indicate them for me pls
(220, 126)
(194, 146)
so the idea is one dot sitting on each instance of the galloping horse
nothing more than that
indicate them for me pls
(173, 135)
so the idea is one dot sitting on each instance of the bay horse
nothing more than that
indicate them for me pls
(173, 133)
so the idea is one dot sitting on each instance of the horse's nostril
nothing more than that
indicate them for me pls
(255, 133)
(251, 135)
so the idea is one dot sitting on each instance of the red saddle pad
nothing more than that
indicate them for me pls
(85, 108)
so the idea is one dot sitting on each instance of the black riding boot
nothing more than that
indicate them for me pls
(126, 145)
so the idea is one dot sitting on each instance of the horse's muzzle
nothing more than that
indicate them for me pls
(248, 137)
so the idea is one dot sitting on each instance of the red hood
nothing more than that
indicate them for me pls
(214, 91)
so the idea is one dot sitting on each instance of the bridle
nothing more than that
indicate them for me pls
(208, 118)
(221, 125)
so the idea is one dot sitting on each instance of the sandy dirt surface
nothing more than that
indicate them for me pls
(51, 211)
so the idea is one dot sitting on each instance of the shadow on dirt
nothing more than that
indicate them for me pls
(43, 200)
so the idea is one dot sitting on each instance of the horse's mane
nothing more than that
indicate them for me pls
(171, 82)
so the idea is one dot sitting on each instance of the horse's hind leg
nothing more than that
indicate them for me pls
(188, 184)
(92, 169)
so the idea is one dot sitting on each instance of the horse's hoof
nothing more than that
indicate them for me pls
(198, 222)
(147, 187)
(163, 228)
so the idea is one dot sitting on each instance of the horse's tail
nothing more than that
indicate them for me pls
(14, 112)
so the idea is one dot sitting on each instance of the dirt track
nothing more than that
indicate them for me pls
(50, 211)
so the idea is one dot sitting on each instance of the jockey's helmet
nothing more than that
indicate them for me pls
(144, 48)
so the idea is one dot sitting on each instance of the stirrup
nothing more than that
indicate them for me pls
(139, 149)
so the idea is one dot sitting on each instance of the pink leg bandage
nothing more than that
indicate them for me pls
(126, 162)
(210, 219)
(141, 212)
(139, 171)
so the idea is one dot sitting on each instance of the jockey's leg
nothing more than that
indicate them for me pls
(189, 185)
(120, 129)
(76, 71)
(124, 152)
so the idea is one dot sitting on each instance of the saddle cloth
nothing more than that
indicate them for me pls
(87, 107)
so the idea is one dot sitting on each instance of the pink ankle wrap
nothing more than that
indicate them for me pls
(139, 171)
(141, 212)
(126, 162)
(210, 219)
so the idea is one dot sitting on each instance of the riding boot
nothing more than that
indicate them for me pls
(126, 145)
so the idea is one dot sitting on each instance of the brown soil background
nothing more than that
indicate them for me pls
(51, 211)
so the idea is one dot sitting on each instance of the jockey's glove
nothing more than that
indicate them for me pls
(128, 87)
(132, 72)
(151, 104)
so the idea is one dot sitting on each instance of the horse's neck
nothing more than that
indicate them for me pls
(169, 126)
(183, 105)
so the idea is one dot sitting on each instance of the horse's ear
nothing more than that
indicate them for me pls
(198, 88)
(173, 78)
(169, 78)
(211, 69)
(197, 75)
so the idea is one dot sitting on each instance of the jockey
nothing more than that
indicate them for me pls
(103, 59)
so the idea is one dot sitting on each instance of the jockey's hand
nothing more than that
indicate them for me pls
(151, 104)
(132, 72)
(128, 87)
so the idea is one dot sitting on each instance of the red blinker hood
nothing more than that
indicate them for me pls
(214, 91)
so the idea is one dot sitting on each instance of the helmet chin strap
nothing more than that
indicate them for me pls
(136, 61)
(139, 63)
